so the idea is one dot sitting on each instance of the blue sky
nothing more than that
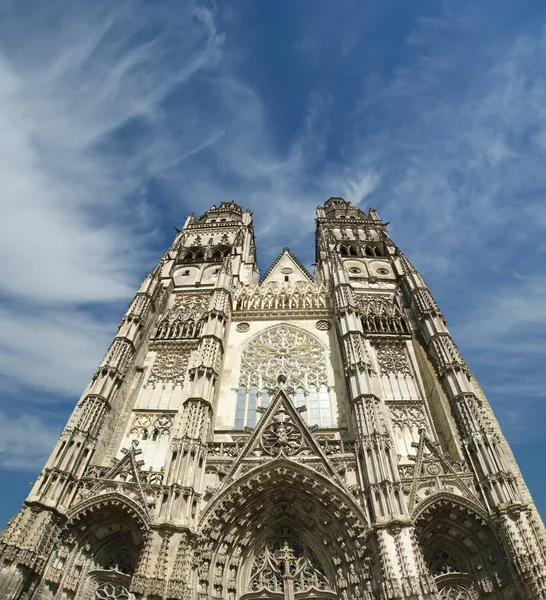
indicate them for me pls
(118, 119)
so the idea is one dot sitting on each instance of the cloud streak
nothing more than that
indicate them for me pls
(120, 121)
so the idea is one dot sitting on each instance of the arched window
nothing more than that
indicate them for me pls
(288, 351)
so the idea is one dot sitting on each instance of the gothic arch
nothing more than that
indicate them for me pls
(300, 357)
(113, 502)
(100, 545)
(252, 512)
(462, 549)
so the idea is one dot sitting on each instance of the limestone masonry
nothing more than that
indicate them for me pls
(287, 437)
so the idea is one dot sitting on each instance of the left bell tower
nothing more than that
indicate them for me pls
(113, 511)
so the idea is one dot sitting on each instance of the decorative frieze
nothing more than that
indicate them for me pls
(298, 296)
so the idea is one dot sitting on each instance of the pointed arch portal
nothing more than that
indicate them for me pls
(282, 530)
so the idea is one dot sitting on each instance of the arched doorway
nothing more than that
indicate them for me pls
(283, 531)
(462, 551)
(99, 549)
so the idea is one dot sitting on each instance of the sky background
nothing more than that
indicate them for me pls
(118, 119)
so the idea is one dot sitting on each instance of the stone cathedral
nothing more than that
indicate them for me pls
(284, 437)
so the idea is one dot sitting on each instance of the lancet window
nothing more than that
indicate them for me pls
(381, 314)
(300, 358)
(184, 320)
(361, 251)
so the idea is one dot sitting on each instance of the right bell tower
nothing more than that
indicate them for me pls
(449, 509)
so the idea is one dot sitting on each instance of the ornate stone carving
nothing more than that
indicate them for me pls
(286, 561)
(145, 424)
(458, 592)
(323, 325)
(169, 367)
(392, 358)
(298, 296)
(283, 350)
(281, 436)
(108, 591)
(184, 319)
(242, 327)
(411, 416)
(381, 314)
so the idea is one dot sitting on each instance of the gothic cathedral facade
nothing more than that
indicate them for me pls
(287, 437)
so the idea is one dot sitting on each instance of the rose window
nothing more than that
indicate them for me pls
(297, 356)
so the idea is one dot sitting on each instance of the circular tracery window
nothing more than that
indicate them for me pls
(284, 350)
(456, 592)
(108, 591)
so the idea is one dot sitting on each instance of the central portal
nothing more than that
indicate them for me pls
(286, 567)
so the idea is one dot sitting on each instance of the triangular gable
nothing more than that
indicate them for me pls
(286, 265)
(127, 469)
(422, 471)
(281, 433)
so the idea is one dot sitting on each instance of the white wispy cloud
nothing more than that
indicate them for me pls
(463, 179)
(448, 145)
(25, 443)
(83, 132)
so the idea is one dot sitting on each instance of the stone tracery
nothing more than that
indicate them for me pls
(301, 295)
(298, 357)
(287, 562)
(108, 591)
